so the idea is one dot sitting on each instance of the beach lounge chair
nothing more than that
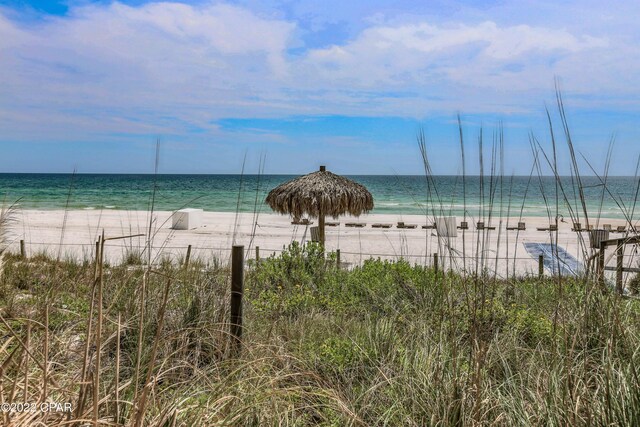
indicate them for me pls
(621, 229)
(403, 225)
(331, 224)
(551, 227)
(577, 227)
(464, 225)
(355, 224)
(481, 226)
(315, 234)
(303, 221)
(606, 227)
(380, 225)
(520, 227)
(429, 227)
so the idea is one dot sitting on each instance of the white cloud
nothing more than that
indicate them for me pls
(209, 30)
(172, 67)
(153, 62)
(414, 54)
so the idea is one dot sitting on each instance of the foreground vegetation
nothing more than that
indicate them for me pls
(386, 343)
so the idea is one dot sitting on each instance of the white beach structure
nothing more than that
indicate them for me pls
(186, 219)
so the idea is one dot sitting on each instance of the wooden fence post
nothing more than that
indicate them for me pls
(338, 258)
(257, 255)
(435, 263)
(237, 285)
(98, 337)
(95, 267)
(603, 247)
(187, 257)
(540, 266)
(619, 262)
(23, 252)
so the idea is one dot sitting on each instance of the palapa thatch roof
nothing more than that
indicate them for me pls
(320, 192)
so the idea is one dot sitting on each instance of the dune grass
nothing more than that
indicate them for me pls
(385, 343)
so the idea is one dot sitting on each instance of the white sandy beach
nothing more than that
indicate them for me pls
(74, 233)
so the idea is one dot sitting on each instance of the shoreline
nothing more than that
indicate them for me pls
(74, 233)
(529, 213)
(393, 194)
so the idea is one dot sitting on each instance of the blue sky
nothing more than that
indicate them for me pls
(92, 85)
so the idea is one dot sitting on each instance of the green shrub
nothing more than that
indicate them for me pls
(532, 327)
(340, 353)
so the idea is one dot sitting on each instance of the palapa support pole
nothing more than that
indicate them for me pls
(321, 216)
(237, 279)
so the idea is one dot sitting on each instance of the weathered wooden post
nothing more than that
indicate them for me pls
(237, 285)
(338, 258)
(23, 252)
(187, 257)
(98, 338)
(95, 267)
(603, 247)
(619, 263)
(540, 266)
(435, 263)
(257, 255)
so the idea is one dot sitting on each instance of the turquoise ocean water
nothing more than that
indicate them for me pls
(534, 196)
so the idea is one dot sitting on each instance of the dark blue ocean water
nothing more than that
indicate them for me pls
(534, 196)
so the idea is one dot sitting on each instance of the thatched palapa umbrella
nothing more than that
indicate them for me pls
(319, 194)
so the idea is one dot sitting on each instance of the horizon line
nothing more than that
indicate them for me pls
(296, 174)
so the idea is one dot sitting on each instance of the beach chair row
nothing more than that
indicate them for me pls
(464, 225)
(606, 227)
